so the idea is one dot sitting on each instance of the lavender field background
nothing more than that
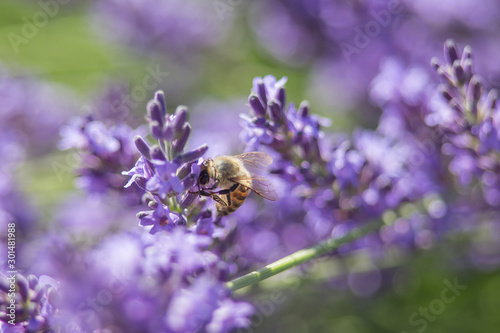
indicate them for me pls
(375, 112)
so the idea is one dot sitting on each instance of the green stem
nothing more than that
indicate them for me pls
(163, 148)
(301, 257)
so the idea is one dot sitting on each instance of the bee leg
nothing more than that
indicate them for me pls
(228, 193)
(203, 193)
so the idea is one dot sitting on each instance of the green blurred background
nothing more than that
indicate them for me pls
(66, 51)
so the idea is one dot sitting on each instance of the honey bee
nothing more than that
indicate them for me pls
(230, 179)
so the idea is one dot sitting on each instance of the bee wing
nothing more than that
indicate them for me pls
(256, 162)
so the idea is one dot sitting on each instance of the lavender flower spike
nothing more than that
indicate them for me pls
(165, 172)
(473, 134)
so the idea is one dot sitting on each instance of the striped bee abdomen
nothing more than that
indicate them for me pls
(234, 199)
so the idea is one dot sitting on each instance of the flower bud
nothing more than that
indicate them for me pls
(193, 155)
(179, 144)
(458, 72)
(277, 114)
(450, 51)
(155, 113)
(189, 182)
(281, 96)
(142, 214)
(187, 199)
(23, 286)
(435, 64)
(474, 93)
(467, 66)
(168, 134)
(142, 147)
(180, 119)
(33, 281)
(445, 76)
(141, 182)
(156, 130)
(256, 105)
(304, 109)
(491, 100)
(467, 53)
(261, 91)
(184, 170)
(160, 97)
(445, 92)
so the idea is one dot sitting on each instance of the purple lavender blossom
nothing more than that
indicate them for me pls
(331, 184)
(345, 43)
(165, 180)
(164, 170)
(230, 315)
(280, 126)
(161, 218)
(102, 150)
(192, 307)
(472, 137)
(168, 281)
(35, 306)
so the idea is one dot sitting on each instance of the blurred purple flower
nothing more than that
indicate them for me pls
(36, 302)
(474, 132)
(177, 27)
(230, 315)
(168, 281)
(346, 165)
(345, 43)
(91, 217)
(216, 134)
(32, 112)
(103, 152)
(190, 308)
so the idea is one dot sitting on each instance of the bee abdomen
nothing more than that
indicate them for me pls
(237, 198)
(226, 210)
(240, 196)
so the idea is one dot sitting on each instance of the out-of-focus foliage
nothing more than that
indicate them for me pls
(85, 71)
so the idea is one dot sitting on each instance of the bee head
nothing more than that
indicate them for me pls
(204, 177)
